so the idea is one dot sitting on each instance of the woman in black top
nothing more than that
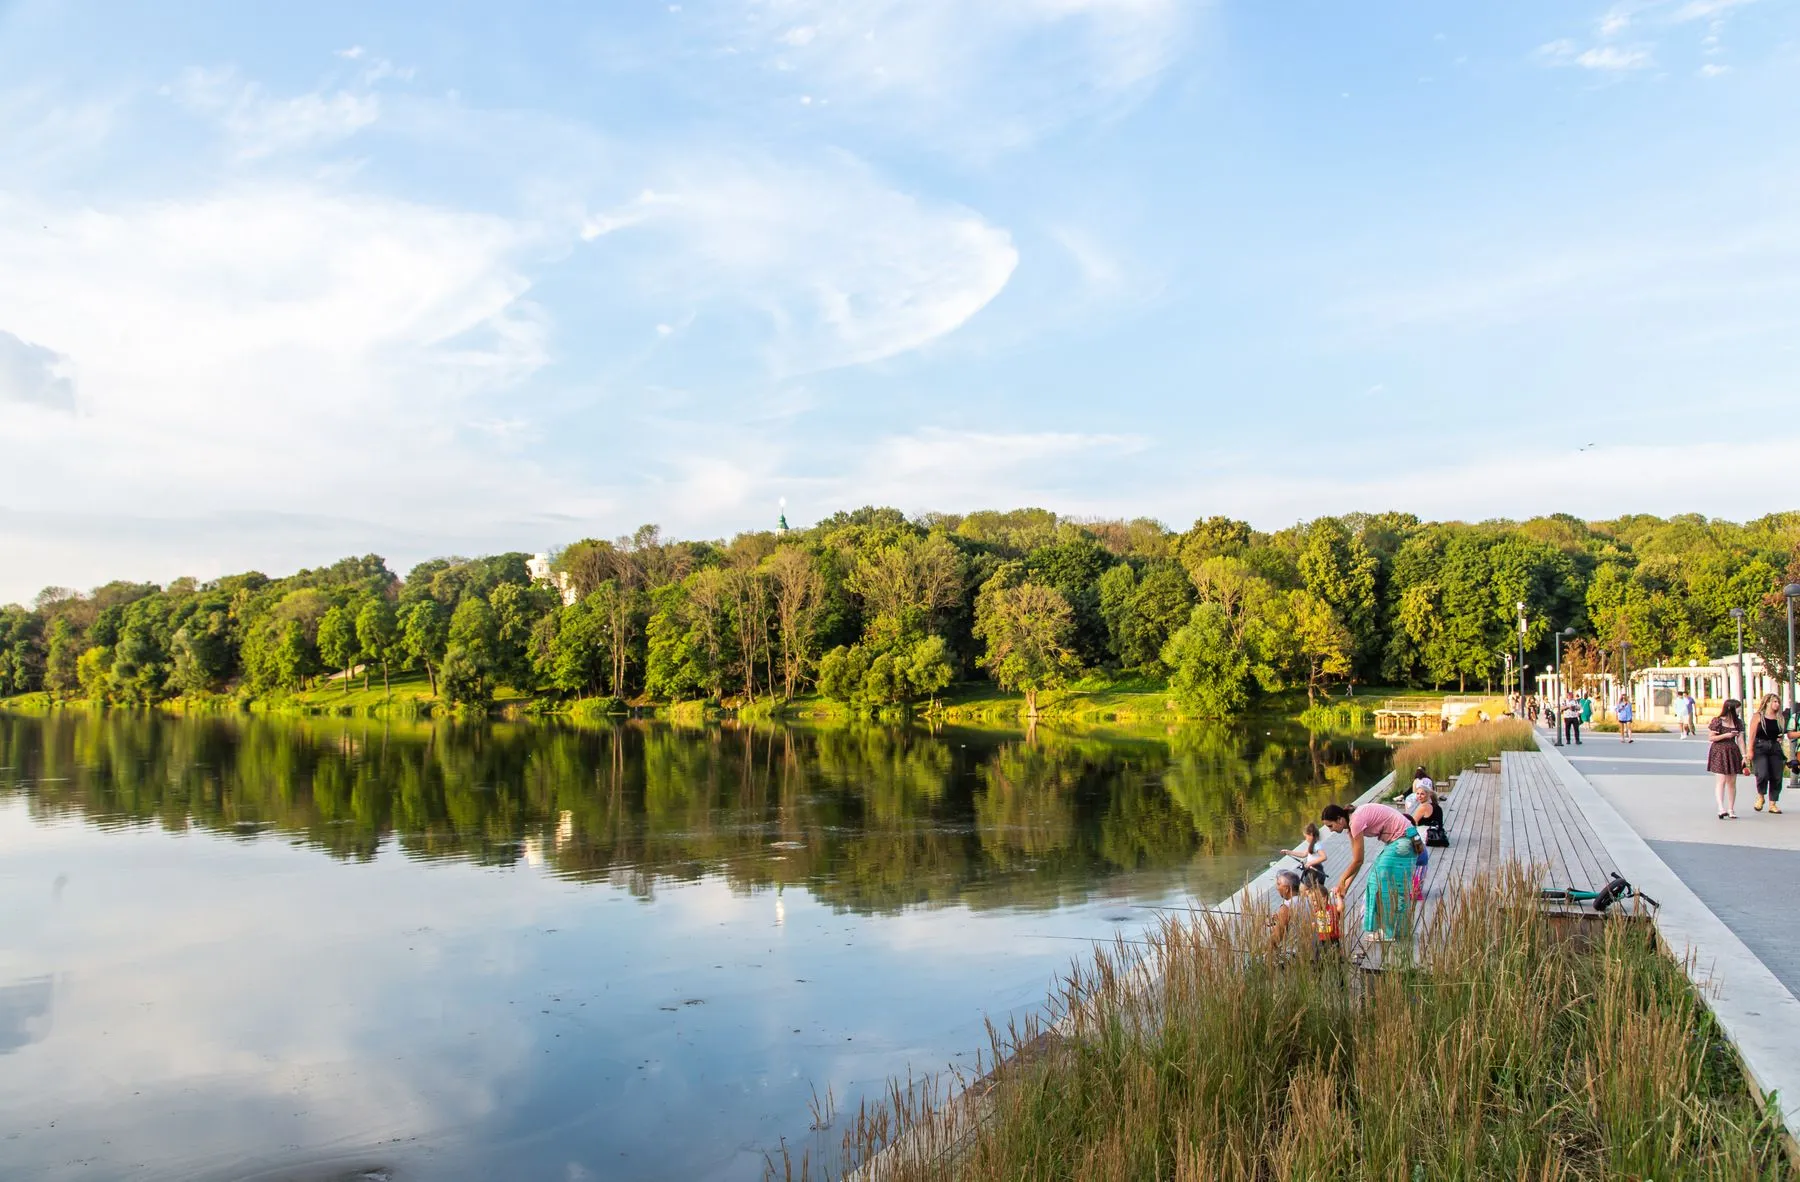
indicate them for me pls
(1766, 756)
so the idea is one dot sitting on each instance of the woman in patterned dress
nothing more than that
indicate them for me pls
(1725, 757)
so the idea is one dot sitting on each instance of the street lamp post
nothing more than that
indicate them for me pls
(1562, 691)
(1507, 681)
(1625, 673)
(1791, 591)
(1743, 694)
(1522, 710)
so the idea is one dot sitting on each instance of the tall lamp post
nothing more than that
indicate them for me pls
(1562, 691)
(1522, 710)
(1506, 656)
(1743, 694)
(1625, 673)
(1792, 590)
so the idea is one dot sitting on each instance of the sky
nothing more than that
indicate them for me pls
(284, 283)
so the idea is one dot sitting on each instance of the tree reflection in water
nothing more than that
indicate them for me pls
(870, 819)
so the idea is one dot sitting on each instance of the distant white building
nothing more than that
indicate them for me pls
(538, 566)
(1654, 689)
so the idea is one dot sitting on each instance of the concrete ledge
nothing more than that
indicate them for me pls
(1755, 1010)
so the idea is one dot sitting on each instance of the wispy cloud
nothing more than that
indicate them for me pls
(1648, 20)
(845, 269)
(1605, 58)
(263, 126)
(996, 74)
(1696, 10)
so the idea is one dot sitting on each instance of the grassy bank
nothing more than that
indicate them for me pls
(1519, 1054)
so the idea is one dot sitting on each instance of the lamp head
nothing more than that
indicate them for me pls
(1737, 613)
(1792, 590)
(1570, 632)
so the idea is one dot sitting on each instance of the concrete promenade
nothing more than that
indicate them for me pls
(1722, 884)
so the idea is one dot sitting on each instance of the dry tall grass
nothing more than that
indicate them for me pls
(1514, 1053)
(1446, 754)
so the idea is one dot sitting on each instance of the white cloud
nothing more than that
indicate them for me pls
(1696, 10)
(1713, 70)
(263, 126)
(845, 269)
(1606, 58)
(33, 375)
(997, 73)
(265, 347)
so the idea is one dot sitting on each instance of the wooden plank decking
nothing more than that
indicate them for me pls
(1521, 814)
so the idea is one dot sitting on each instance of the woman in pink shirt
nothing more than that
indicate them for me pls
(1385, 895)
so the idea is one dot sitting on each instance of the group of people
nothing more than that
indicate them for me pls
(1576, 710)
(1759, 745)
(1767, 745)
(1395, 878)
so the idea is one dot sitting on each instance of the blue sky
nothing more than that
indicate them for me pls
(287, 283)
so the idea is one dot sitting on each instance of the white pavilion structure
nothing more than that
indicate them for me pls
(1655, 688)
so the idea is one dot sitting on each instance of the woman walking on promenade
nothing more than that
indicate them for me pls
(1384, 898)
(1725, 757)
(1766, 755)
(1624, 717)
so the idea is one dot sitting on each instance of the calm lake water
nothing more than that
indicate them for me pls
(313, 949)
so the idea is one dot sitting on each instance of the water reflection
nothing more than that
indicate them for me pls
(25, 1012)
(286, 948)
(869, 819)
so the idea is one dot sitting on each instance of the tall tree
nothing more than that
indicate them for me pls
(378, 633)
(424, 632)
(799, 599)
(1210, 673)
(1028, 629)
(338, 646)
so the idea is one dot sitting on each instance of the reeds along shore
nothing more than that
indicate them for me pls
(1516, 1053)
(1446, 754)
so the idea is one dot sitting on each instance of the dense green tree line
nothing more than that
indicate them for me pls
(878, 610)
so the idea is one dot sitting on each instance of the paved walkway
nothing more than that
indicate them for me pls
(1722, 885)
(1745, 870)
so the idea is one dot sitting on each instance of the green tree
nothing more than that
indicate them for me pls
(94, 669)
(338, 646)
(1028, 629)
(424, 633)
(929, 667)
(1338, 568)
(378, 634)
(61, 675)
(1322, 642)
(575, 659)
(201, 651)
(471, 657)
(799, 591)
(1210, 672)
(517, 608)
(296, 656)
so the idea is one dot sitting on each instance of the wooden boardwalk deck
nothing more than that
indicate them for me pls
(1540, 825)
(1521, 814)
